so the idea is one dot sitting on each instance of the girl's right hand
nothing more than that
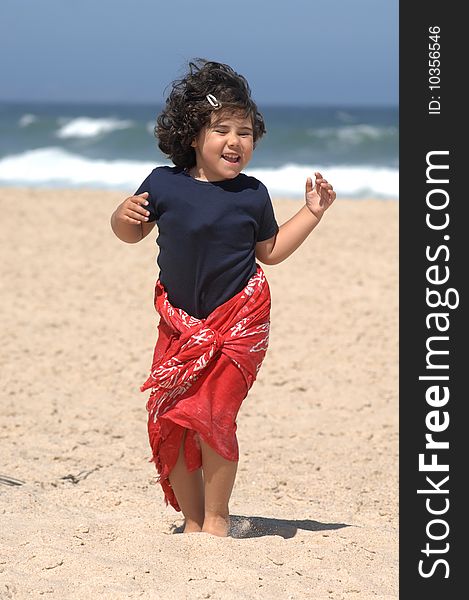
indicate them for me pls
(132, 210)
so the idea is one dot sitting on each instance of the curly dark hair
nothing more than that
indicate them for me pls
(187, 109)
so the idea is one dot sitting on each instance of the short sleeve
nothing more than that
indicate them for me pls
(268, 226)
(151, 207)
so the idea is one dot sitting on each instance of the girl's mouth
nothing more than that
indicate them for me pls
(231, 158)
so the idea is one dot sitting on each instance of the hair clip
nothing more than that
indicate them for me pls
(213, 101)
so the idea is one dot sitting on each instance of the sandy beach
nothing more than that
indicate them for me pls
(315, 505)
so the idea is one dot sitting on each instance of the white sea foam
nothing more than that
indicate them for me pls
(57, 167)
(345, 117)
(85, 127)
(150, 127)
(26, 120)
(290, 180)
(353, 134)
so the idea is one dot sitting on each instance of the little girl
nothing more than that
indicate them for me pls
(212, 296)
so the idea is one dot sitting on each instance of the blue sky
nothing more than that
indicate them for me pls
(326, 52)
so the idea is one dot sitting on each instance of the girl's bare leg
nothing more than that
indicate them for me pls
(189, 490)
(219, 478)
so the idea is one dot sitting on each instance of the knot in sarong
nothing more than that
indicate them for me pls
(202, 338)
(186, 357)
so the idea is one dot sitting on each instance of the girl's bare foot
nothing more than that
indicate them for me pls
(191, 527)
(217, 525)
(219, 476)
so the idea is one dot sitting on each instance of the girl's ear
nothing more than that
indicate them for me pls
(200, 135)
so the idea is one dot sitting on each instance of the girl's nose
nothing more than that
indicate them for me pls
(233, 139)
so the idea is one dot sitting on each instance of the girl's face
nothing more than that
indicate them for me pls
(223, 147)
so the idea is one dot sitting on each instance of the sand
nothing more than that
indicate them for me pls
(315, 504)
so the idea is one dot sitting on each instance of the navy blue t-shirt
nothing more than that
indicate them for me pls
(207, 233)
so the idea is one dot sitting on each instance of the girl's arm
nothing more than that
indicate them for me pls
(293, 232)
(129, 220)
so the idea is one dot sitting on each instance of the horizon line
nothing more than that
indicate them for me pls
(150, 103)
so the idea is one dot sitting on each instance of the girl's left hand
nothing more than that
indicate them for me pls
(320, 196)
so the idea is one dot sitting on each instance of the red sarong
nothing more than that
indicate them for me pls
(201, 372)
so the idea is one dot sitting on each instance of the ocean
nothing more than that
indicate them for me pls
(113, 147)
